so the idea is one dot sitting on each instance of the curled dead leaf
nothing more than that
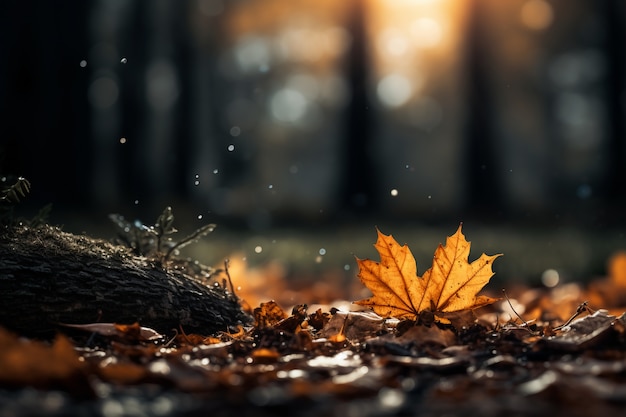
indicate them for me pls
(129, 332)
(353, 325)
(268, 314)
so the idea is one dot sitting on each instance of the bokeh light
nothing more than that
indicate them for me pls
(537, 14)
(103, 92)
(412, 41)
(395, 90)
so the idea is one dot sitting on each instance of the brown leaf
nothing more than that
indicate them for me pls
(586, 332)
(617, 269)
(239, 334)
(129, 332)
(353, 325)
(422, 335)
(294, 322)
(264, 355)
(318, 319)
(268, 314)
(32, 363)
(122, 373)
(184, 339)
(450, 285)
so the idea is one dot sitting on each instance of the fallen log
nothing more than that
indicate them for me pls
(48, 277)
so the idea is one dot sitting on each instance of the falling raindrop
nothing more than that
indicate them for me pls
(197, 176)
(235, 131)
(258, 249)
(231, 147)
(199, 216)
(430, 196)
(216, 171)
(122, 140)
(270, 186)
(136, 202)
(394, 192)
(196, 183)
(83, 63)
(322, 251)
(346, 267)
(123, 60)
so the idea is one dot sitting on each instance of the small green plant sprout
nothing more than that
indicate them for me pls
(152, 240)
(13, 193)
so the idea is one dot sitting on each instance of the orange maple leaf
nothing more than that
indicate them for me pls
(450, 285)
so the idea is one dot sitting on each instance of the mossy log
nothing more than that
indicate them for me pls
(48, 277)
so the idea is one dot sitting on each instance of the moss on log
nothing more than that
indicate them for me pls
(48, 277)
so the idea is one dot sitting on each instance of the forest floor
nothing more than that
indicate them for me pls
(538, 351)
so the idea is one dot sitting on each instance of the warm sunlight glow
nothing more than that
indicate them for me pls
(536, 14)
(413, 40)
(426, 32)
(393, 42)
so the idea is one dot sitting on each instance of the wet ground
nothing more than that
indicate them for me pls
(576, 253)
(506, 375)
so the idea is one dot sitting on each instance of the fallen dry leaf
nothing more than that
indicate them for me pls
(128, 332)
(353, 325)
(588, 332)
(610, 292)
(422, 336)
(450, 285)
(31, 363)
(268, 314)
(617, 269)
(264, 355)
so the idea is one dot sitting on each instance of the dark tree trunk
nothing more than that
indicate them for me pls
(359, 191)
(49, 277)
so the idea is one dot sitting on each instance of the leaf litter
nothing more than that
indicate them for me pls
(432, 347)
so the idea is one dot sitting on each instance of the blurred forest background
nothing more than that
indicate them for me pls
(312, 115)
